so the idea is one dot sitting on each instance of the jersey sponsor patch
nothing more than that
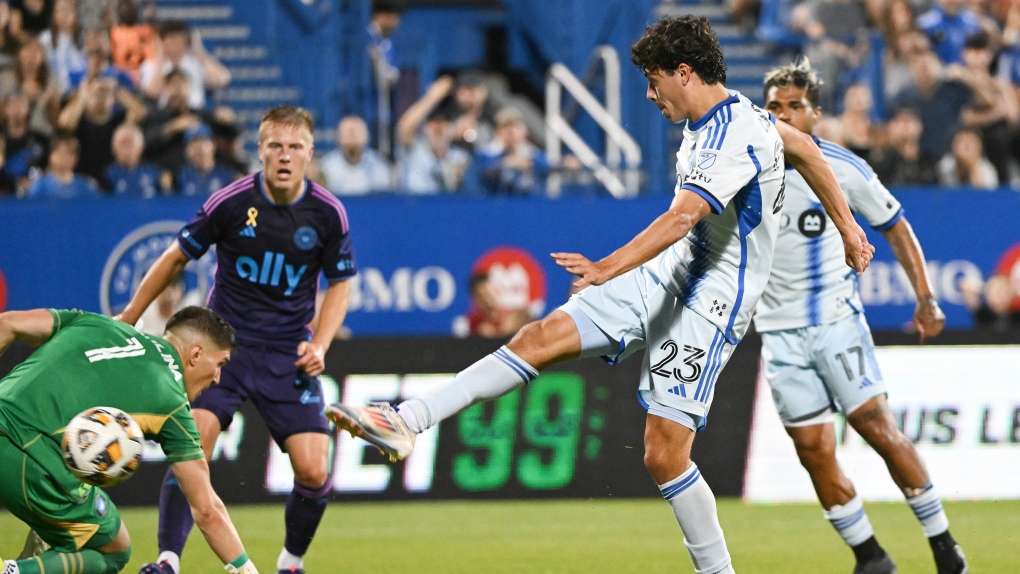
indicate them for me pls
(811, 223)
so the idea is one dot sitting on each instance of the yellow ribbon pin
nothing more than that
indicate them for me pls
(252, 214)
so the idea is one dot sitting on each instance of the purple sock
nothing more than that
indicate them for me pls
(175, 520)
(302, 515)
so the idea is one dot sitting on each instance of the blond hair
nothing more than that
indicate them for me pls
(287, 116)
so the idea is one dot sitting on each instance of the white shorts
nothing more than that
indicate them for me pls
(814, 371)
(686, 351)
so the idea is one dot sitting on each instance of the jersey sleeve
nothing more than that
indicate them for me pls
(63, 317)
(867, 196)
(199, 234)
(717, 175)
(179, 436)
(338, 256)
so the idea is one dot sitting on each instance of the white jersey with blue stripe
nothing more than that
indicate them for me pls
(733, 158)
(811, 283)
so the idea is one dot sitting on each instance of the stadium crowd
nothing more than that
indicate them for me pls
(925, 90)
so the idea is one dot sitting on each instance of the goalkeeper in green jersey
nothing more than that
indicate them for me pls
(86, 360)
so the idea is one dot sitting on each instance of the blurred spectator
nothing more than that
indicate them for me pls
(948, 25)
(858, 133)
(32, 77)
(380, 95)
(902, 41)
(62, 41)
(26, 149)
(172, 52)
(474, 116)
(428, 163)
(60, 181)
(93, 116)
(938, 97)
(98, 63)
(131, 42)
(128, 175)
(967, 165)
(29, 18)
(8, 43)
(486, 317)
(994, 113)
(8, 185)
(902, 161)
(227, 139)
(164, 126)
(989, 304)
(511, 164)
(201, 176)
(153, 320)
(352, 168)
(837, 41)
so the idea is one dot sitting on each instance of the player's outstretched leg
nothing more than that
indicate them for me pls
(875, 424)
(816, 448)
(668, 459)
(536, 346)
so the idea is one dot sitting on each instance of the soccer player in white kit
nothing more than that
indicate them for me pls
(684, 287)
(817, 348)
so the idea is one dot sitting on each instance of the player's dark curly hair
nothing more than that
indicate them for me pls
(684, 40)
(206, 322)
(799, 75)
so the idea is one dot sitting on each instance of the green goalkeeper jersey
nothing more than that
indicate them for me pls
(91, 361)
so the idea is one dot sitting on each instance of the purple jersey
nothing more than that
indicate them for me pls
(269, 256)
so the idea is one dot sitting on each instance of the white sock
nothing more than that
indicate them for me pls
(694, 507)
(927, 508)
(490, 378)
(850, 521)
(10, 567)
(288, 560)
(172, 559)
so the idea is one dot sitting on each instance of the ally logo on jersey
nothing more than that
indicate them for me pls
(271, 271)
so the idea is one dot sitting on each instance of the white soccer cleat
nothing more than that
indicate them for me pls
(379, 424)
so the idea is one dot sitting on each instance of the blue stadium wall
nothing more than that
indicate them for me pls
(416, 254)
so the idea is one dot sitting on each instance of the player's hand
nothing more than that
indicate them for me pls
(311, 358)
(928, 317)
(588, 273)
(857, 249)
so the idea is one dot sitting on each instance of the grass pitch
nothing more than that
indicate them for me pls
(581, 536)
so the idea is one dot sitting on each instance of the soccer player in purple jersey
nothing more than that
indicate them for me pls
(274, 232)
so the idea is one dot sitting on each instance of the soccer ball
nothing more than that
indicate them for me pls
(103, 446)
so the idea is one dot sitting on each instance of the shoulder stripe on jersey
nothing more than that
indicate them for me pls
(723, 119)
(325, 196)
(888, 224)
(847, 156)
(214, 201)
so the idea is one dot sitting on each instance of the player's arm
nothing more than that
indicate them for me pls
(686, 210)
(156, 279)
(312, 355)
(927, 315)
(30, 327)
(211, 515)
(804, 155)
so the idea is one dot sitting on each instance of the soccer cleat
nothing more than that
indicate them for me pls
(951, 561)
(291, 570)
(379, 424)
(163, 567)
(881, 565)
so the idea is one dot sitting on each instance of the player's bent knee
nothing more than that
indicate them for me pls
(546, 341)
(116, 561)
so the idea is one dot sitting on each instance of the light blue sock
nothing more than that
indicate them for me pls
(927, 507)
(851, 522)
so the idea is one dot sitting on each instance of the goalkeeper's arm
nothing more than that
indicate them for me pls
(211, 515)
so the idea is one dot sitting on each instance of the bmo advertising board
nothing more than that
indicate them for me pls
(960, 405)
